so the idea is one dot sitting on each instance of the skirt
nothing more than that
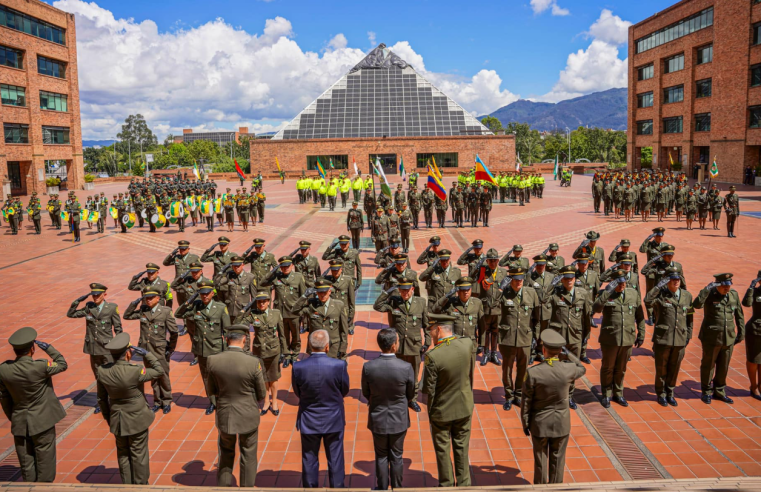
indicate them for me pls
(716, 215)
(691, 214)
(271, 368)
(703, 213)
(753, 341)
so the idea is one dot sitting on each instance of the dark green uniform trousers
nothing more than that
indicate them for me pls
(97, 361)
(552, 450)
(162, 385)
(714, 365)
(454, 436)
(203, 365)
(513, 381)
(248, 444)
(668, 361)
(132, 455)
(37, 456)
(292, 338)
(613, 369)
(575, 349)
(414, 361)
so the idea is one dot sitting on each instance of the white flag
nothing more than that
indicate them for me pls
(356, 169)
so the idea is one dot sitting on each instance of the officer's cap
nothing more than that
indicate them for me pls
(436, 240)
(96, 289)
(582, 258)
(477, 243)
(567, 271)
(444, 254)
(285, 260)
(238, 329)
(626, 242)
(343, 238)
(400, 258)
(724, 278)
(336, 264)
(119, 344)
(149, 291)
(390, 208)
(541, 259)
(405, 284)
(152, 267)
(658, 231)
(619, 273)
(394, 242)
(553, 247)
(263, 295)
(23, 338)
(236, 260)
(304, 244)
(732, 188)
(672, 273)
(625, 258)
(440, 320)
(354, 203)
(196, 265)
(668, 249)
(183, 244)
(517, 247)
(322, 285)
(223, 240)
(552, 338)
(517, 273)
(464, 283)
(492, 254)
(259, 242)
(205, 286)
(593, 236)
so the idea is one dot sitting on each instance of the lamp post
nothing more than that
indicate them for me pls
(568, 132)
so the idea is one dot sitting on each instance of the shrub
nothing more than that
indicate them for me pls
(50, 182)
(89, 178)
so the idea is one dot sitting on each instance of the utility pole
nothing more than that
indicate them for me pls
(568, 131)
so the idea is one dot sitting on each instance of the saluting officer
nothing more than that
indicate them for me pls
(723, 327)
(30, 403)
(289, 286)
(152, 279)
(352, 263)
(514, 260)
(262, 261)
(236, 287)
(220, 258)
(488, 277)
(471, 255)
(156, 322)
(440, 278)
(397, 272)
(655, 269)
(326, 314)
(466, 310)
(343, 289)
(385, 257)
(541, 281)
(306, 264)
(624, 246)
(625, 262)
(544, 410)
(408, 315)
(430, 253)
(653, 243)
(596, 255)
(554, 261)
(181, 258)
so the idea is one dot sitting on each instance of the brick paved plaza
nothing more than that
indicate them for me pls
(43, 274)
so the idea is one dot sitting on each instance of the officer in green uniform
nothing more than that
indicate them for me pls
(669, 307)
(623, 325)
(211, 319)
(440, 278)
(653, 243)
(262, 262)
(466, 310)
(625, 262)
(596, 254)
(448, 382)
(408, 315)
(544, 411)
(339, 249)
(30, 403)
(306, 264)
(180, 258)
(326, 314)
(655, 269)
(220, 258)
(488, 277)
(236, 288)
(541, 281)
(355, 224)
(343, 289)
(152, 279)
(554, 261)
(587, 279)
(397, 272)
(289, 286)
(514, 258)
(723, 327)
(624, 246)
(120, 395)
(156, 323)
(430, 253)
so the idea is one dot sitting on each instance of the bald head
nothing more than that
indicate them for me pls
(318, 340)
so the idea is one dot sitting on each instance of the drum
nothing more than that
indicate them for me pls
(114, 213)
(129, 220)
(158, 221)
(94, 216)
(207, 208)
(84, 214)
(218, 206)
(144, 214)
(50, 208)
(159, 209)
(64, 216)
(177, 210)
(172, 219)
(190, 202)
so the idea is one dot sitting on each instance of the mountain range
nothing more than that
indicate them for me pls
(99, 143)
(606, 109)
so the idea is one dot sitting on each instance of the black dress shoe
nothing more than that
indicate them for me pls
(210, 410)
(286, 363)
(572, 404)
(662, 401)
(479, 350)
(264, 412)
(167, 409)
(495, 359)
(517, 401)
(605, 402)
(621, 401)
(155, 408)
(194, 362)
(183, 332)
(671, 401)
(351, 332)
(97, 409)
(585, 360)
(706, 399)
(507, 405)
(275, 412)
(723, 398)
(485, 359)
(414, 406)
(755, 396)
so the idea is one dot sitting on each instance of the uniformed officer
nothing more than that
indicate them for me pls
(408, 315)
(339, 249)
(102, 323)
(220, 258)
(448, 382)
(669, 307)
(236, 288)
(623, 325)
(732, 207)
(355, 224)
(441, 206)
(472, 255)
(488, 278)
(234, 378)
(405, 226)
(588, 279)
(326, 314)
(306, 264)
(181, 258)
(261, 261)
(385, 257)
(596, 254)
(624, 246)
(440, 278)
(343, 289)
(430, 253)
(544, 410)
(519, 324)
(156, 323)
(427, 200)
(625, 262)
(30, 403)
(289, 286)
(653, 243)
(396, 272)
(466, 310)
(514, 258)
(152, 279)
(379, 228)
(120, 395)
(723, 327)
(655, 269)
(211, 319)
(554, 261)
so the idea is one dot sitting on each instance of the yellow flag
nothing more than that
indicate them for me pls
(278, 165)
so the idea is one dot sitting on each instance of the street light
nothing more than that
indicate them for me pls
(568, 132)
(518, 153)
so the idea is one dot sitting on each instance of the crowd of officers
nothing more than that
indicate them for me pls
(627, 194)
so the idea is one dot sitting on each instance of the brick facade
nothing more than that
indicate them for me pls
(497, 151)
(31, 157)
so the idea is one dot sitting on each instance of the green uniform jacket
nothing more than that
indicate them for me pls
(571, 313)
(380, 228)
(672, 318)
(623, 319)
(520, 318)
(261, 265)
(187, 285)
(723, 319)
(613, 258)
(513, 261)
(632, 279)
(427, 257)
(655, 272)
(542, 285)
(211, 325)
(121, 397)
(555, 264)
(181, 263)
(352, 262)
(596, 257)
(388, 277)
(331, 319)
(446, 379)
(343, 290)
(235, 290)
(589, 281)
(269, 335)
(100, 327)
(466, 316)
(237, 380)
(354, 220)
(27, 395)
(545, 410)
(288, 290)
(154, 328)
(309, 268)
(219, 259)
(650, 247)
(492, 294)
(439, 282)
(162, 287)
(408, 323)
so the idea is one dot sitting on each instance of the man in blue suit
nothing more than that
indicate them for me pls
(321, 383)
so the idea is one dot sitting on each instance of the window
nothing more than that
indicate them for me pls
(339, 162)
(645, 100)
(686, 26)
(755, 117)
(703, 122)
(757, 33)
(11, 58)
(755, 75)
(13, 95)
(672, 125)
(54, 68)
(55, 135)
(673, 64)
(24, 23)
(16, 134)
(673, 94)
(645, 127)
(703, 88)
(705, 54)
(443, 159)
(53, 101)
(646, 72)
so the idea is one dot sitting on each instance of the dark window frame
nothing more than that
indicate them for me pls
(645, 97)
(699, 89)
(18, 55)
(702, 49)
(13, 19)
(644, 70)
(56, 135)
(51, 67)
(703, 122)
(678, 60)
(673, 94)
(679, 29)
(641, 127)
(754, 117)
(757, 69)
(22, 134)
(667, 127)
(340, 161)
(8, 89)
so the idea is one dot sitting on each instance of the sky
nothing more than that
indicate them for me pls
(257, 63)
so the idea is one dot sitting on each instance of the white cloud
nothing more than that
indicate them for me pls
(371, 38)
(539, 6)
(598, 67)
(215, 76)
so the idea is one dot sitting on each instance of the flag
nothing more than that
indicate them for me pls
(402, 171)
(278, 165)
(331, 163)
(356, 169)
(671, 160)
(320, 169)
(714, 168)
(434, 183)
(555, 171)
(483, 173)
(436, 169)
(385, 188)
(195, 170)
(518, 164)
(239, 170)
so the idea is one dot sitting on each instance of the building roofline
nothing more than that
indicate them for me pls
(380, 139)
(658, 14)
(48, 6)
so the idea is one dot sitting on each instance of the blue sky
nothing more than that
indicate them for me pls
(483, 57)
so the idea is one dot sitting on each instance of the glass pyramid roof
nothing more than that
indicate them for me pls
(382, 96)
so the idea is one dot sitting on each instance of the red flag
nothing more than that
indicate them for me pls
(239, 170)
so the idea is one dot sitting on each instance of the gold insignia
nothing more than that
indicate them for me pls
(260, 366)
(117, 310)
(52, 364)
(142, 371)
(226, 310)
(426, 361)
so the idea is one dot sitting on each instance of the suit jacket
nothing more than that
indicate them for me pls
(27, 395)
(237, 380)
(388, 383)
(321, 383)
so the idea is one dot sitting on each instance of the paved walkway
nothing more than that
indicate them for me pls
(43, 274)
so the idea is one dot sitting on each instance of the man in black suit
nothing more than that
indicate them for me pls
(321, 382)
(388, 383)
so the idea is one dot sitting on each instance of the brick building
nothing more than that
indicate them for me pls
(695, 86)
(220, 138)
(382, 108)
(40, 97)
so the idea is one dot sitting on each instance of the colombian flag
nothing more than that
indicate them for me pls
(435, 184)
(482, 172)
(239, 170)
(320, 169)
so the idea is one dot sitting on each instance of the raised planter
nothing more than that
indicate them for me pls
(53, 190)
(758, 180)
(89, 186)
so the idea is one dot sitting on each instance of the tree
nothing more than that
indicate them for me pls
(528, 142)
(169, 140)
(135, 132)
(204, 149)
(492, 123)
